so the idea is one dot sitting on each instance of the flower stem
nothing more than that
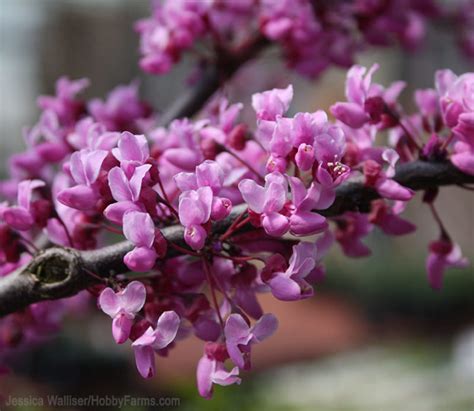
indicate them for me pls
(207, 270)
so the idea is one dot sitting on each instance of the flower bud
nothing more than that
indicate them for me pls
(276, 164)
(304, 158)
(238, 137)
(221, 208)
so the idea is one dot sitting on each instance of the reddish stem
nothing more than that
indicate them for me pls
(207, 270)
(232, 226)
(245, 163)
(183, 250)
(444, 232)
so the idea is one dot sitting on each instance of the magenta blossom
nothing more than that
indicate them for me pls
(139, 229)
(84, 166)
(92, 135)
(443, 254)
(387, 218)
(350, 231)
(208, 174)
(195, 208)
(382, 180)
(240, 336)
(290, 285)
(365, 101)
(330, 147)
(122, 110)
(64, 104)
(180, 143)
(463, 156)
(303, 221)
(132, 150)
(268, 202)
(272, 103)
(21, 217)
(211, 370)
(456, 95)
(126, 191)
(122, 307)
(155, 339)
(46, 138)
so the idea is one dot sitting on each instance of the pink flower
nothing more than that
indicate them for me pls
(303, 221)
(85, 166)
(153, 340)
(272, 103)
(382, 180)
(268, 202)
(91, 135)
(21, 217)
(139, 229)
(365, 101)
(222, 118)
(349, 233)
(211, 370)
(132, 149)
(126, 191)
(46, 137)
(179, 143)
(240, 336)
(173, 27)
(463, 156)
(122, 110)
(387, 218)
(290, 285)
(443, 254)
(428, 102)
(207, 174)
(122, 308)
(64, 103)
(194, 210)
(456, 95)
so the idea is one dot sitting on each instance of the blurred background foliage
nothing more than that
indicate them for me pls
(375, 336)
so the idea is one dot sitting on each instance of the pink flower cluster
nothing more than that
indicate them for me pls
(313, 35)
(100, 167)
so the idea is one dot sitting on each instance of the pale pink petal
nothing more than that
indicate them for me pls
(391, 190)
(265, 327)
(109, 302)
(80, 197)
(132, 298)
(115, 212)
(350, 113)
(275, 224)
(25, 190)
(204, 372)
(253, 195)
(121, 326)
(18, 218)
(166, 329)
(119, 185)
(145, 360)
(140, 259)
(137, 180)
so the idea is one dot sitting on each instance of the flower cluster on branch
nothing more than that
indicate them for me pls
(101, 168)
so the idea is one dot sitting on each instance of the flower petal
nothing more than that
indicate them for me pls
(138, 228)
(166, 329)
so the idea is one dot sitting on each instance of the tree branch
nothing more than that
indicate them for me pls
(61, 272)
(213, 75)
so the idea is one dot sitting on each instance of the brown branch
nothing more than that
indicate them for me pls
(213, 76)
(60, 272)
